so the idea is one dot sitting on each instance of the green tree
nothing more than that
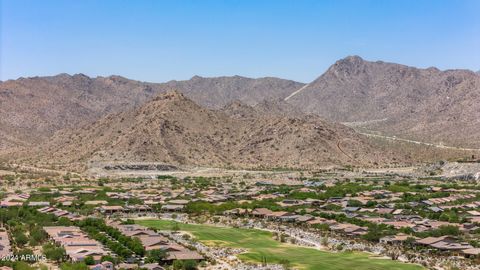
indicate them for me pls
(109, 259)
(156, 255)
(189, 265)
(20, 238)
(184, 265)
(26, 255)
(371, 204)
(22, 266)
(354, 203)
(448, 230)
(73, 266)
(53, 252)
(37, 235)
(63, 221)
(89, 260)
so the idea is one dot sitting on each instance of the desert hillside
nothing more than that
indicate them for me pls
(48, 104)
(422, 104)
(173, 129)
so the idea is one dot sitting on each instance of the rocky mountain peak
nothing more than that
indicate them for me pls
(196, 78)
(350, 65)
(171, 95)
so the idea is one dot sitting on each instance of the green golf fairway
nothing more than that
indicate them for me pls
(261, 244)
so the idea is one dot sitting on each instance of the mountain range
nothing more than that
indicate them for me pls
(173, 129)
(240, 121)
(33, 109)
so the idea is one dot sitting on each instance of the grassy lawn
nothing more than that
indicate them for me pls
(261, 244)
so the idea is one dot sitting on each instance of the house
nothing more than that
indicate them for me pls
(215, 198)
(305, 210)
(152, 266)
(76, 243)
(173, 207)
(400, 224)
(398, 211)
(335, 200)
(410, 218)
(34, 204)
(471, 252)
(288, 202)
(60, 213)
(133, 230)
(150, 239)
(474, 213)
(434, 224)
(261, 212)
(434, 189)
(5, 248)
(96, 203)
(428, 203)
(451, 246)
(313, 202)
(179, 202)
(469, 227)
(17, 197)
(355, 230)
(397, 239)
(435, 209)
(65, 199)
(6, 204)
(86, 191)
(127, 266)
(236, 212)
(154, 242)
(475, 219)
(110, 209)
(106, 265)
(138, 208)
(46, 209)
(288, 217)
(312, 183)
(317, 220)
(351, 209)
(349, 229)
(304, 218)
(383, 211)
(363, 199)
(277, 215)
(432, 240)
(366, 210)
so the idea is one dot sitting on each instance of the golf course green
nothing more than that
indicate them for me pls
(260, 244)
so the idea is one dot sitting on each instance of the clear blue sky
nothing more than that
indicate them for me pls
(162, 40)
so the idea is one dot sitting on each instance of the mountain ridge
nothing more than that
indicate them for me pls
(422, 104)
(172, 129)
(49, 104)
(378, 97)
